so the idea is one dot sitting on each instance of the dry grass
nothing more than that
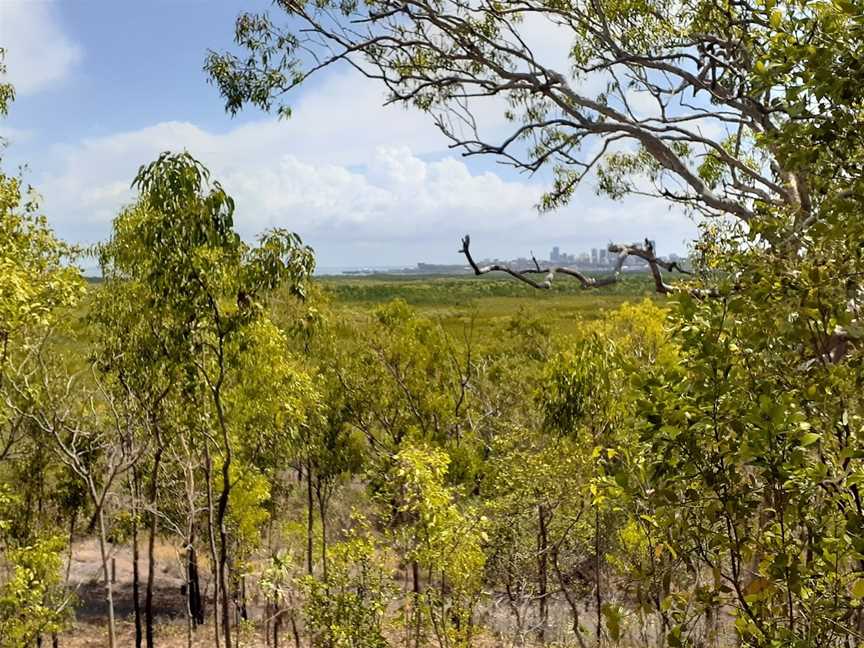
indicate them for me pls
(170, 634)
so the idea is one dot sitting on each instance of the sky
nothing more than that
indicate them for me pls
(104, 86)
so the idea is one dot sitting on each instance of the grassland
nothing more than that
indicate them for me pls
(490, 301)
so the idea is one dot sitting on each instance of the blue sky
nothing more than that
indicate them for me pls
(104, 86)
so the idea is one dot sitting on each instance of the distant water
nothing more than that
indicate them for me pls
(321, 271)
(341, 270)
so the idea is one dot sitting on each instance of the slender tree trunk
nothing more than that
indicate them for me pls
(222, 521)
(542, 580)
(193, 580)
(55, 639)
(211, 529)
(151, 542)
(223, 555)
(109, 589)
(310, 519)
(244, 612)
(295, 631)
(418, 590)
(189, 616)
(136, 566)
(268, 616)
(568, 596)
(196, 604)
(598, 598)
(322, 515)
(72, 523)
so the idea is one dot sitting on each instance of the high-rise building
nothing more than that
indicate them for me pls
(603, 256)
(594, 258)
(555, 255)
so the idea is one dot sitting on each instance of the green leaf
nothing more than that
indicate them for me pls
(810, 438)
(776, 18)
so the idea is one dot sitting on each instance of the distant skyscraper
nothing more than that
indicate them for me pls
(555, 255)
(594, 258)
(603, 257)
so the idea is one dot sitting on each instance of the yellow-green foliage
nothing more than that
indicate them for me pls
(271, 396)
(34, 278)
(349, 609)
(32, 601)
(443, 538)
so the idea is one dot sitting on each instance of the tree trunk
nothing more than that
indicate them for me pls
(136, 570)
(322, 515)
(71, 538)
(310, 519)
(211, 529)
(568, 596)
(151, 544)
(598, 597)
(417, 589)
(542, 581)
(295, 631)
(223, 555)
(109, 590)
(221, 520)
(196, 605)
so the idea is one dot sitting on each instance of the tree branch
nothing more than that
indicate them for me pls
(643, 251)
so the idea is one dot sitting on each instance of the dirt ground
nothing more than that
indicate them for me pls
(85, 578)
(89, 629)
(91, 612)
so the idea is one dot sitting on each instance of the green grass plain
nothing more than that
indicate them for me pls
(454, 300)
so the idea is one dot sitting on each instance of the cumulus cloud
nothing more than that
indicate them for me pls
(363, 184)
(38, 53)
(375, 204)
(385, 194)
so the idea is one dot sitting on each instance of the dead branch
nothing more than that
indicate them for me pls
(643, 251)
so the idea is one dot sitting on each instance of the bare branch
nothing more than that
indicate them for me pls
(643, 251)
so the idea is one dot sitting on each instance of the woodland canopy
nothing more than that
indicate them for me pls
(681, 469)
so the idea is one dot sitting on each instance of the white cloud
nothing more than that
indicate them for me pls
(365, 185)
(382, 205)
(388, 194)
(38, 53)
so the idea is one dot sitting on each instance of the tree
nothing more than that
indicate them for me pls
(741, 110)
(141, 359)
(746, 114)
(204, 292)
(38, 284)
(32, 601)
(89, 434)
(443, 539)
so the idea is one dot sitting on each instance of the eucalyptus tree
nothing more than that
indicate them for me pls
(741, 110)
(38, 284)
(141, 359)
(747, 114)
(204, 290)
